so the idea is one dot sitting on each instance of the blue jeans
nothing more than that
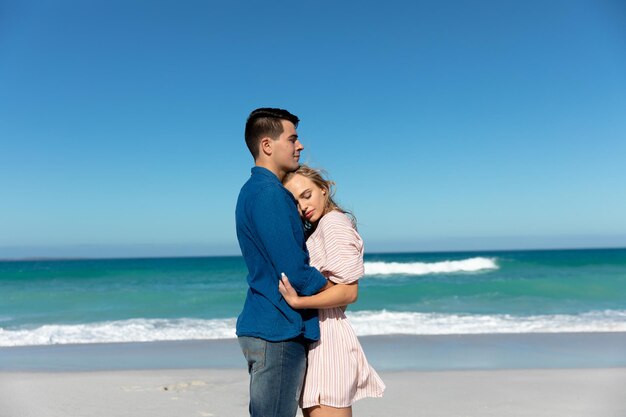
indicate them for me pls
(276, 375)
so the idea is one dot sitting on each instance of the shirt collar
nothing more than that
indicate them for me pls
(264, 172)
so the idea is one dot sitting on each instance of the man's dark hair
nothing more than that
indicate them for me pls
(266, 122)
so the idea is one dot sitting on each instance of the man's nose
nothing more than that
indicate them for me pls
(299, 145)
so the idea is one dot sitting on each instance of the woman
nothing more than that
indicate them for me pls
(338, 373)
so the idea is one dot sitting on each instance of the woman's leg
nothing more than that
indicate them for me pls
(327, 411)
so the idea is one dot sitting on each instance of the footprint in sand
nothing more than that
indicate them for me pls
(182, 386)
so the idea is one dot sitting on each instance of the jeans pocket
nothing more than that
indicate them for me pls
(254, 351)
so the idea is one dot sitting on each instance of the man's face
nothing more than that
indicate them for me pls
(286, 149)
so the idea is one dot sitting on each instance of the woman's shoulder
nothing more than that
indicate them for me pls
(335, 218)
(337, 225)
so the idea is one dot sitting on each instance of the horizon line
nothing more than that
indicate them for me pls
(147, 257)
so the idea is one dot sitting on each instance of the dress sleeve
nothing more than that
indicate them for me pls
(343, 249)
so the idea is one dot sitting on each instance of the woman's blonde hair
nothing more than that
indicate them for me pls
(317, 176)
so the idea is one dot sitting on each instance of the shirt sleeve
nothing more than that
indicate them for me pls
(343, 249)
(279, 231)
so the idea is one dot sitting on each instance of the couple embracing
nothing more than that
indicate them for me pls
(304, 259)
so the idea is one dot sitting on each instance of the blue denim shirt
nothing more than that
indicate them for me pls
(271, 239)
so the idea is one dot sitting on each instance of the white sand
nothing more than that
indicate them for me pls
(214, 392)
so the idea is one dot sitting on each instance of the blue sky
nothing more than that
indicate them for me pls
(452, 125)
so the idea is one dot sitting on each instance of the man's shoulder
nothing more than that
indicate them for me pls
(254, 188)
(268, 196)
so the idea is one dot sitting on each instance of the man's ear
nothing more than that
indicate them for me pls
(265, 145)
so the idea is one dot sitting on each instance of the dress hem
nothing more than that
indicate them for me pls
(378, 394)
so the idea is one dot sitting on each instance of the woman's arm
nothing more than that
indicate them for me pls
(338, 295)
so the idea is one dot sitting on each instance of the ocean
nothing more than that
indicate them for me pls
(58, 302)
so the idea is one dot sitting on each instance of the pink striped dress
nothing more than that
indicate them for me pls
(338, 373)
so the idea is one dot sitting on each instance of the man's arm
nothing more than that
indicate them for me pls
(275, 218)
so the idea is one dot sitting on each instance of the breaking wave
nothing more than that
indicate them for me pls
(424, 268)
(364, 322)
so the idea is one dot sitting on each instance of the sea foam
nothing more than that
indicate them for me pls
(424, 268)
(364, 323)
(134, 330)
(388, 322)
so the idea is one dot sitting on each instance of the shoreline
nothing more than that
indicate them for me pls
(385, 353)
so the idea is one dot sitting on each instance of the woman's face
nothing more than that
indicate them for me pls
(311, 198)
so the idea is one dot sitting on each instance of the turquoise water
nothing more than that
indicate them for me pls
(85, 301)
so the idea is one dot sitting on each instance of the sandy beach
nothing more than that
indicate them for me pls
(211, 392)
(526, 375)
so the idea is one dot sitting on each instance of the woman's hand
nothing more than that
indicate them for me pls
(289, 294)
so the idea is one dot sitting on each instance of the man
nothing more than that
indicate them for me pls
(274, 337)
